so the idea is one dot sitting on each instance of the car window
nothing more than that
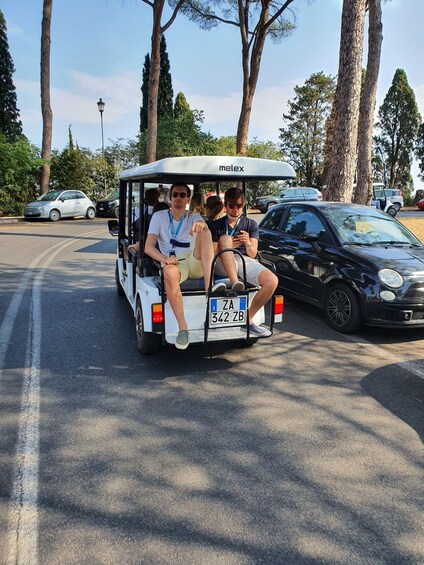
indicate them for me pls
(273, 219)
(302, 221)
(67, 195)
(79, 195)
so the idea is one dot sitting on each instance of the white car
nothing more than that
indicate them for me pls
(57, 204)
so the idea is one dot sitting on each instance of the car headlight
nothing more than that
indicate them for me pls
(391, 278)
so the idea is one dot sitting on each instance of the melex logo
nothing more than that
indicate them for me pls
(234, 168)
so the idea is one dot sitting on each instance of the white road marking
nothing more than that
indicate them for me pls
(23, 523)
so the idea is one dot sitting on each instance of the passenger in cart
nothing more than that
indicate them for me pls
(185, 251)
(239, 232)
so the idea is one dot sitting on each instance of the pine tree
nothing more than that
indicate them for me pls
(165, 94)
(144, 94)
(398, 123)
(302, 139)
(10, 124)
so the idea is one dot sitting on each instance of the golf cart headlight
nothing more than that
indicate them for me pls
(391, 278)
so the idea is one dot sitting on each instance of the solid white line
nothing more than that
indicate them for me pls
(23, 524)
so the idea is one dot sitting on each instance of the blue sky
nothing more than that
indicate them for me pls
(98, 49)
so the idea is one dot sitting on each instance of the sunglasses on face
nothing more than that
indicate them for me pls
(232, 206)
(179, 194)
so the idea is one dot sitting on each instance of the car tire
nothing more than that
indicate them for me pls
(91, 213)
(270, 205)
(392, 211)
(342, 309)
(147, 343)
(116, 212)
(54, 215)
(119, 290)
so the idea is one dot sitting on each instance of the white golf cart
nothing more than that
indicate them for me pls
(217, 318)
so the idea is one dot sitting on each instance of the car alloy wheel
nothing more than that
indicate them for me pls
(343, 309)
(54, 215)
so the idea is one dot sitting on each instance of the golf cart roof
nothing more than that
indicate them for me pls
(197, 169)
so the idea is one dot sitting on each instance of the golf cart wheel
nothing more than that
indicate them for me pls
(343, 309)
(392, 211)
(147, 343)
(54, 215)
(248, 343)
(119, 289)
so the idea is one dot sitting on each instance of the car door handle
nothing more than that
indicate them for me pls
(273, 247)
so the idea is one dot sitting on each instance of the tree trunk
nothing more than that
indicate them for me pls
(46, 111)
(343, 153)
(363, 193)
(152, 105)
(250, 70)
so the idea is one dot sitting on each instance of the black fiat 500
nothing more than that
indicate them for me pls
(357, 263)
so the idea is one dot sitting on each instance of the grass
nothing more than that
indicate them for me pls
(415, 225)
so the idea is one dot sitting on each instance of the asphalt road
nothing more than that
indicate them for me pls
(306, 448)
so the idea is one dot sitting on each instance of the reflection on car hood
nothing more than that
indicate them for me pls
(406, 260)
(36, 204)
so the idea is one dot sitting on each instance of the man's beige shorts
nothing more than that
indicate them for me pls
(190, 267)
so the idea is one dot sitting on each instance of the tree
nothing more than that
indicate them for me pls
(145, 93)
(10, 124)
(165, 91)
(152, 105)
(255, 22)
(180, 134)
(363, 192)
(342, 162)
(46, 111)
(303, 137)
(398, 123)
(19, 167)
(419, 151)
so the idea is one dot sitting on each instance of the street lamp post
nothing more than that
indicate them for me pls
(101, 107)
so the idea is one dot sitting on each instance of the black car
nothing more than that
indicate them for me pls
(108, 206)
(295, 194)
(357, 263)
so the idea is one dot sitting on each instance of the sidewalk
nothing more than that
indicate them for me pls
(11, 219)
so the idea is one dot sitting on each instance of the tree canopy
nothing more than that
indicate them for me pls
(303, 137)
(398, 123)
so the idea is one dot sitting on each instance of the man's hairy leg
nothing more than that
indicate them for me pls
(172, 275)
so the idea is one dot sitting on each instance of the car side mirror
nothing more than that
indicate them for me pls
(311, 237)
(113, 227)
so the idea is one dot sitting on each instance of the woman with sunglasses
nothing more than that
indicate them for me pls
(181, 241)
(239, 232)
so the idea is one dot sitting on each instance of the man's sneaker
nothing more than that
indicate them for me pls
(218, 288)
(182, 339)
(257, 331)
(238, 286)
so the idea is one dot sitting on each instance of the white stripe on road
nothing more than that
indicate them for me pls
(23, 525)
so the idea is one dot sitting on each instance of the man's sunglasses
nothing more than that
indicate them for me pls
(179, 194)
(232, 206)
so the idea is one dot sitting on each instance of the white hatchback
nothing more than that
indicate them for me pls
(57, 204)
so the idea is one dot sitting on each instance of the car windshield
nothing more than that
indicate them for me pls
(50, 196)
(113, 195)
(368, 227)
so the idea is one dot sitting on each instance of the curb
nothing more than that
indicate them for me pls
(11, 220)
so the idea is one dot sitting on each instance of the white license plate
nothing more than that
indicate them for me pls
(227, 311)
